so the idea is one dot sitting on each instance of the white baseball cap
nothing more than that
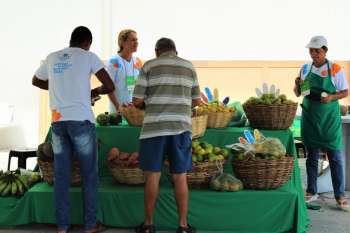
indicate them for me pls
(317, 42)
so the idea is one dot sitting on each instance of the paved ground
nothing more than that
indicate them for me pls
(326, 220)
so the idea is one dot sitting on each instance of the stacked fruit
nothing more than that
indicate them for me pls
(203, 152)
(214, 106)
(12, 184)
(268, 99)
(123, 159)
(106, 118)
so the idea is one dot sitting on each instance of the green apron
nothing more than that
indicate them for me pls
(321, 123)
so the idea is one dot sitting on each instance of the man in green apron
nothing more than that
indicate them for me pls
(322, 84)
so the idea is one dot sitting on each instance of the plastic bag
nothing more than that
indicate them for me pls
(239, 119)
(226, 182)
(259, 147)
(270, 147)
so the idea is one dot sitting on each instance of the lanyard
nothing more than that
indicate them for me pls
(132, 65)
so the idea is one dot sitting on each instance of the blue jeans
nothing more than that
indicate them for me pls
(337, 172)
(78, 138)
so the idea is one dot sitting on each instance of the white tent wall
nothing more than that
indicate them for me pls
(202, 30)
(29, 31)
(236, 29)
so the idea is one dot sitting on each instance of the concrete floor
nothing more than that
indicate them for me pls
(326, 220)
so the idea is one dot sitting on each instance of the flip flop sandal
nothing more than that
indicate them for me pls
(142, 228)
(343, 205)
(188, 229)
(312, 198)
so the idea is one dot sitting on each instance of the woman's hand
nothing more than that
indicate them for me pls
(296, 88)
(327, 99)
(298, 81)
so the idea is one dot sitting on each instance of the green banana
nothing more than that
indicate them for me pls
(3, 185)
(24, 181)
(20, 187)
(13, 188)
(7, 190)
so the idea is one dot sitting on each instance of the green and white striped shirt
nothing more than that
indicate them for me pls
(167, 84)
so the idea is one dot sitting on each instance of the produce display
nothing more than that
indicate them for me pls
(106, 118)
(203, 152)
(214, 106)
(258, 147)
(268, 99)
(225, 182)
(14, 184)
(133, 115)
(123, 159)
(45, 152)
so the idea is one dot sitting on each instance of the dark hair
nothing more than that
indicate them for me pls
(80, 35)
(165, 44)
(324, 48)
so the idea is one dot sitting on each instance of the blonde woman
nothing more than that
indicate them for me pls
(124, 69)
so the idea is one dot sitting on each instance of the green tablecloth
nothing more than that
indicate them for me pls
(274, 211)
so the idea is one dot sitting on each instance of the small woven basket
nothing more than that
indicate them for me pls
(200, 175)
(199, 125)
(219, 119)
(263, 173)
(127, 175)
(133, 116)
(47, 169)
(279, 116)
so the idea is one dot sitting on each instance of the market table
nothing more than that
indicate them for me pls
(273, 211)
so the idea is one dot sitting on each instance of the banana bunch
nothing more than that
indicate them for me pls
(12, 184)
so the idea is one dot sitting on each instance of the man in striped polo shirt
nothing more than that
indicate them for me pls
(168, 87)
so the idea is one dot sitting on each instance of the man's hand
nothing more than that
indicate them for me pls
(42, 84)
(94, 93)
(139, 103)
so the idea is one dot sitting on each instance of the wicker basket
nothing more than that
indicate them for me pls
(219, 119)
(278, 116)
(264, 173)
(47, 169)
(127, 175)
(200, 175)
(199, 125)
(133, 116)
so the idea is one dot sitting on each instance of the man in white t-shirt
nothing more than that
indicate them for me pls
(66, 74)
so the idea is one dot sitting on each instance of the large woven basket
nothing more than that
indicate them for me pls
(263, 173)
(47, 169)
(199, 125)
(133, 116)
(200, 175)
(219, 119)
(127, 175)
(279, 116)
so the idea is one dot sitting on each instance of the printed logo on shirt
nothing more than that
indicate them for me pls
(60, 67)
(115, 63)
(64, 57)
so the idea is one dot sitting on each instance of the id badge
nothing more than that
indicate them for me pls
(130, 83)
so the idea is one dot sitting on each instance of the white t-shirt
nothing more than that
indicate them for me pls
(338, 76)
(119, 68)
(68, 72)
